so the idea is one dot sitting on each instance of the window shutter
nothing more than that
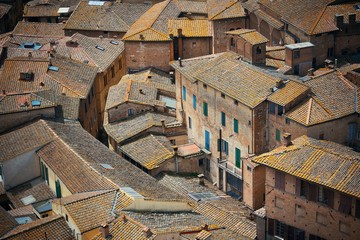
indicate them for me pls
(219, 145)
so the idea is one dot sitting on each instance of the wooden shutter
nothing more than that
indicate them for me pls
(330, 195)
(280, 180)
(298, 187)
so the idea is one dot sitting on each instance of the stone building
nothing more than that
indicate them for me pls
(110, 19)
(311, 191)
(148, 44)
(227, 118)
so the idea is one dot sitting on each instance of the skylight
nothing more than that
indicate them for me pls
(35, 103)
(100, 48)
(131, 192)
(96, 3)
(28, 200)
(114, 42)
(106, 166)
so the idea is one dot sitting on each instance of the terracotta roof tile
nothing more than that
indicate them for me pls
(250, 35)
(222, 9)
(15, 103)
(120, 131)
(241, 81)
(40, 191)
(111, 16)
(53, 227)
(203, 235)
(32, 137)
(269, 19)
(7, 222)
(332, 97)
(48, 8)
(322, 162)
(158, 150)
(4, 9)
(126, 229)
(153, 24)
(100, 205)
(190, 27)
(290, 92)
(39, 29)
(22, 211)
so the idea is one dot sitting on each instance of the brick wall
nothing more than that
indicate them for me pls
(141, 55)
(222, 26)
(315, 218)
(196, 47)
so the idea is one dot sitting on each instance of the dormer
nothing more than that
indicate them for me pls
(27, 76)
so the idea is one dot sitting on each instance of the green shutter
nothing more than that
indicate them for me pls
(42, 170)
(277, 135)
(194, 102)
(237, 157)
(223, 119)
(205, 107)
(46, 174)
(236, 125)
(219, 145)
(58, 189)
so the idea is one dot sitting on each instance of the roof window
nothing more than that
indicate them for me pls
(53, 68)
(100, 48)
(36, 103)
(114, 42)
(27, 76)
(357, 7)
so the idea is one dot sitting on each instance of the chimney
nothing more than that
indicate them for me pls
(201, 179)
(311, 72)
(101, 36)
(287, 139)
(205, 227)
(105, 232)
(147, 232)
(142, 37)
(179, 32)
(180, 62)
(163, 125)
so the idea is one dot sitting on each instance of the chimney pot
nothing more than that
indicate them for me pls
(311, 72)
(180, 62)
(201, 179)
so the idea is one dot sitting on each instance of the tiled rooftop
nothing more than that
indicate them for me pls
(53, 227)
(225, 211)
(89, 211)
(289, 93)
(332, 97)
(120, 131)
(241, 81)
(158, 150)
(190, 27)
(39, 29)
(83, 49)
(7, 222)
(48, 8)
(153, 24)
(250, 35)
(322, 162)
(37, 188)
(111, 16)
(223, 9)
(22, 211)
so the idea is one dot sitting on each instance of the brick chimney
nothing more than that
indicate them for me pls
(147, 232)
(105, 231)
(286, 141)
(201, 179)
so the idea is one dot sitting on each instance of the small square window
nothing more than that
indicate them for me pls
(287, 121)
(297, 54)
(205, 86)
(280, 110)
(190, 123)
(236, 102)
(248, 168)
(223, 95)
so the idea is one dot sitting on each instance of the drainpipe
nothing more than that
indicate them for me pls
(176, 159)
(220, 148)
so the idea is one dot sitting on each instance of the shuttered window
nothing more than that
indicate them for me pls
(205, 109)
(345, 204)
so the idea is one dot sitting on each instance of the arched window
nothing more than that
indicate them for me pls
(258, 50)
(232, 42)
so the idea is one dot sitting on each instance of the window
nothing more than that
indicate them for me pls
(205, 109)
(112, 71)
(280, 110)
(1, 173)
(207, 140)
(223, 95)
(272, 108)
(237, 158)
(357, 209)
(194, 101)
(248, 168)
(302, 188)
(120, 64)
(236, 125)
(223, 119)
(280, 229)
(280, 180)
(190, 122)
(66, 217)
(201, 162)
(258, 50)
(297, 54)
(232, 42)
(325, 196)
(277, 135)
(345, 204)
(236, 102)
(131, 111)
(223, 146)
(184, 93)
(205, 86)
(287, 121)
(330, 52)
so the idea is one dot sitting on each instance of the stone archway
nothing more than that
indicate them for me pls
(277, 39)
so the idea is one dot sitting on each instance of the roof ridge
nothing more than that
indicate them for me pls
(34, 93)
(128, 89)
(318, 20)
(62, 85)
(226, 8)
(100, 192)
